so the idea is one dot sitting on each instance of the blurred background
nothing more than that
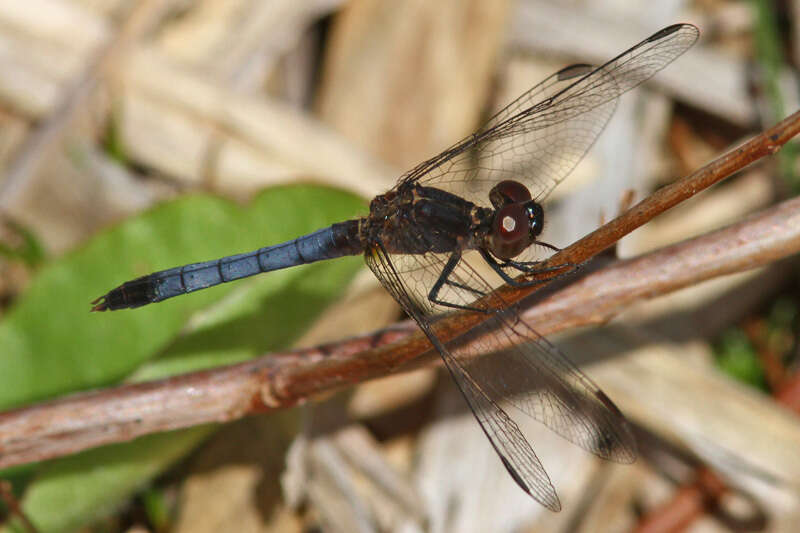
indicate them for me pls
(137, 136)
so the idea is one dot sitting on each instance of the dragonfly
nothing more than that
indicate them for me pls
(456, 227)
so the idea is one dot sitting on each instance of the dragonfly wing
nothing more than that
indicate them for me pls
(506, 438)
(540, 137)
(511, 362)
(534, 377)
(509, 442)
(546, 88)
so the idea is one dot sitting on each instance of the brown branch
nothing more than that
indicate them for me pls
(690, 501)
(275, 381)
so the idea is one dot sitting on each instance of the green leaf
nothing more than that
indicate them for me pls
(30, 251)
(76, 490)
(771, 64)
(156, 506)
(52, 344)
(736, 357)
(114, 144)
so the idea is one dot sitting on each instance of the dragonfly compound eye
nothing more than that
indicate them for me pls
(508, 192)
(510, 231)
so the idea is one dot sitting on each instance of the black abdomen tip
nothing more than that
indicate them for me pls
(130, 294)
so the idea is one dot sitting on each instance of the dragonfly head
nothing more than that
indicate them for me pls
(517, 221)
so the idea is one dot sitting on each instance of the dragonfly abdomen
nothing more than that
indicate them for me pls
(334, 241)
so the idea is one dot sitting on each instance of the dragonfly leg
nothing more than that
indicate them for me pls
(525, 267)
(548, 245)
(531, 267)
(444, 279)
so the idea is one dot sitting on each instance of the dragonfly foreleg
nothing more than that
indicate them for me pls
(532, 267)
(524, 267)
(548, 245)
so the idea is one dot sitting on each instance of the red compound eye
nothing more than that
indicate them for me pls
(508, 192)
(510, 231)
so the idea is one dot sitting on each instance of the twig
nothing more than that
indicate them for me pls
(688, 503)
(14, 508)
(275, 381)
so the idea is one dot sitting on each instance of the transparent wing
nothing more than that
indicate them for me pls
(540, 137)
(522, 370)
